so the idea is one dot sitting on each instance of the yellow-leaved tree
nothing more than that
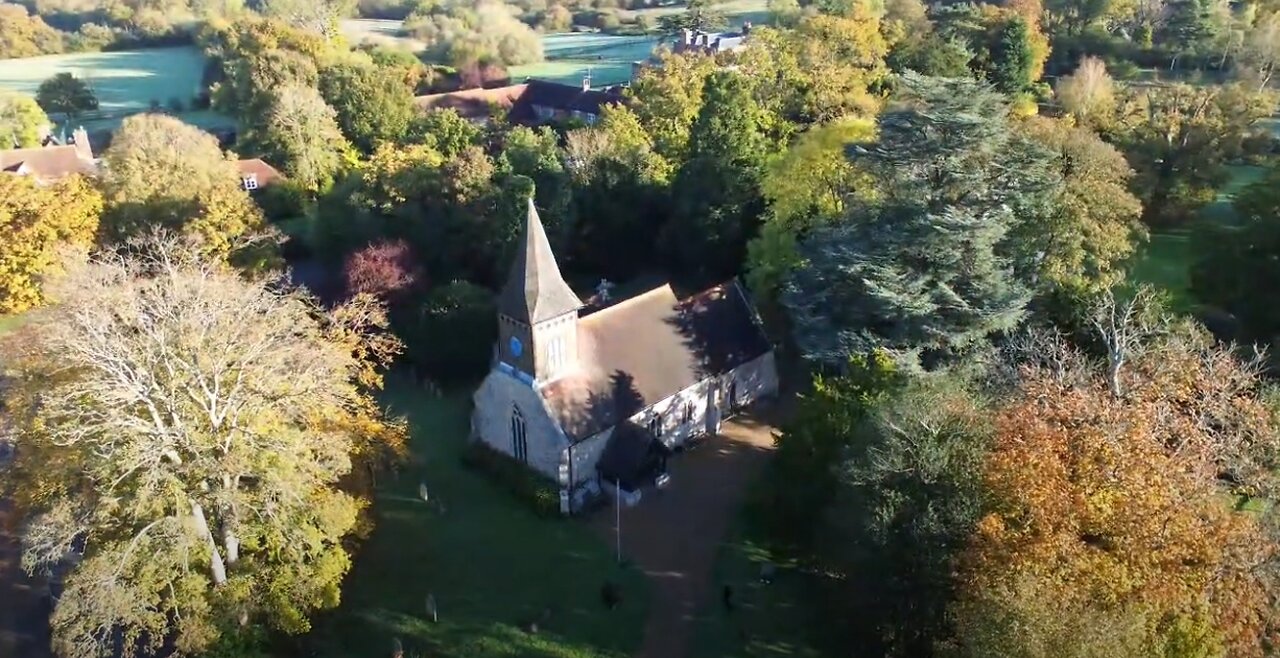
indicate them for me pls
(38, 222)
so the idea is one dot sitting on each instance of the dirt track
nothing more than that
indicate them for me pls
(674, 535)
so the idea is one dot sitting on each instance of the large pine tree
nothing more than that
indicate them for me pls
(920, 271)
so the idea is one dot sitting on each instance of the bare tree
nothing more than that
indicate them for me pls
(1123, 325)
(188, 428)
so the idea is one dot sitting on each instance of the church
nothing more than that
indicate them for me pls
(594, 397)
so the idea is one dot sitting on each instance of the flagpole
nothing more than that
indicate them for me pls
(617, 511)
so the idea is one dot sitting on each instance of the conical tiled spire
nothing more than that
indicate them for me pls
(535, 291)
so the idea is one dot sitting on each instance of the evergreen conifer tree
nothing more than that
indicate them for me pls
(920, 272)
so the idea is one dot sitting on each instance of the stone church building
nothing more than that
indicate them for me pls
(603, 396)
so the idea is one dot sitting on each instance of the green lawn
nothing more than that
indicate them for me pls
(1166, 260)
(125, 82)
(782, 619)
(491, 564)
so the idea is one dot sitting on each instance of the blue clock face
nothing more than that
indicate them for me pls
(515, 346)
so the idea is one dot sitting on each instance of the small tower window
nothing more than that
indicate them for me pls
(519, 441)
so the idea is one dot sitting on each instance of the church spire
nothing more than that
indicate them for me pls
(535, 291)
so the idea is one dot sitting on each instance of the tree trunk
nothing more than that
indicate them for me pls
(232, 544)
(1114, 362)
(217, 568)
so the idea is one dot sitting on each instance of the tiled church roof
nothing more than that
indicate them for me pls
(646, 349)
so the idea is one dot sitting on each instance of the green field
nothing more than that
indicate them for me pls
(1166, 260)
(125, 82)
(489, 561)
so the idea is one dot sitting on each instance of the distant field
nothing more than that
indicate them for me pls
(126, 82)
(571, 56)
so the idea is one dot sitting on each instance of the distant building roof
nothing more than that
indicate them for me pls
(50, 163)
(522, 101)
(711, 42)
(473, 103)
(262, 172)
(560, 97)
(643, 350)
(535, 291)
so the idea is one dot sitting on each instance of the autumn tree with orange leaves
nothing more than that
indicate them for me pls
(1116, 524)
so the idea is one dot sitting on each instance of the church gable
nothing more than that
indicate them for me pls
(511, 418)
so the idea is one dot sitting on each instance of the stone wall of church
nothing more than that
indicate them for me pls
(495, 402)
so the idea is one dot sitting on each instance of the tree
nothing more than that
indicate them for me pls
(806, 187)
(716, 197)
(934, 55)
(67, 95)
(1115, 511)
(318, 16)
(445, 131)
(25, 35)
(920, 270)
(301, 132)
(667, 98)
(161, 172)
(1235, 260)
(1260, 52)
(22, 122)
(1013, 59)
(1089, 93)
(463, 312)
(906, 504)
(1084, 237)
(1178, 138)
(487, 31)
(39, 223)
(535, 154)
(185, 435)
(372, 103)
(384, 270)
(620, 192)
(827, 68)
(698, 16)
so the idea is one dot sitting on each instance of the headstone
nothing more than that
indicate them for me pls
(422, 492)
(432, 611)
(397, 649)
(767, 570)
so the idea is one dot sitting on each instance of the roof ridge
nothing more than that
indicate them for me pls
(634, 298)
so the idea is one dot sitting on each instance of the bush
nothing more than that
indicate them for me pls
(464, 313)
(540, 493)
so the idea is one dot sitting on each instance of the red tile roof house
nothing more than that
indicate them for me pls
(532, 102)
(594, 398)
(49, 164)
(256, 174)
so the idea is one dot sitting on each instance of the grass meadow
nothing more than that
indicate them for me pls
(126, 82)
(491, 564)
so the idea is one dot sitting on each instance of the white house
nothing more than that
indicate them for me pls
(586, 397)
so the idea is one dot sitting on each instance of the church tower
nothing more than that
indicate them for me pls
(537, 311)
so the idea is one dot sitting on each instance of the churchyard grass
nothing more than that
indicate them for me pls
(490, 563)
(781, 618)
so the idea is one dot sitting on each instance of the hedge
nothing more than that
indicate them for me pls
(539, 492)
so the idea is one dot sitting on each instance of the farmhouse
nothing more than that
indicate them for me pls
(604, 396)
(49, 164)
(531, 103)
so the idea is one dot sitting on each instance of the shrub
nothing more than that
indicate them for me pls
(385, 270)
(540, 493)
(451, 335)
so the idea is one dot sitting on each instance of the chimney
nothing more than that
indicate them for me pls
(686, 35)
(80, 139)
(586, 82)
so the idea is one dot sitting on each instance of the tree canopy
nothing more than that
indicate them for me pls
(212, 493)
(40, 224)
